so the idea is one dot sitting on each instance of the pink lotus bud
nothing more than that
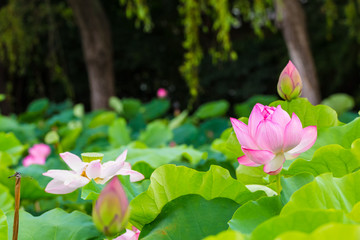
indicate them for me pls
(162, 93)
(289, 85)
(110, 213)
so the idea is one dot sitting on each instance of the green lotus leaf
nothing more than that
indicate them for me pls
(226, 235)
(10, 149)
(330, 231)
(188, 217)
(320, 115)
(355, 213)
(3, 226)
(169, 182)
(292, 184)
(251, 214)
(156, 108)
(326, 192)
(119, 134)
(212, 109)
(331, 158)
(304, 221)
(343, 135)
(55, 224)
(6, 199)
(156, 134)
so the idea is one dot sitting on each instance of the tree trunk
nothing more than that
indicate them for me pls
(291, 19)
(97, 48)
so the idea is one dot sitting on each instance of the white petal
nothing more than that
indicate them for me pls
(73, 161)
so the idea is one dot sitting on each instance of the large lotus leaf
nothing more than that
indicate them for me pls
(290, 185)
(343, 135)
(222, 146)
(156, 134)
(3, 226)
(304, 221)
(188, 217)
(226, 235)
(326, 192)
(331, 231)
(156, 157)
(340, 102)
(156, 108)
(55, 224)
(253, 213)
(320, 115)
(169, 182)
(212, 109)
(331, 158)
(119, 135)
(6, 199)
(10, 148)
(355, 213)
(251, 175)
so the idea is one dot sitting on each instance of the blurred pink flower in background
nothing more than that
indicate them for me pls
(162, 93)
(37, 154)
(271, 137)
(129, 235)
(81, 173)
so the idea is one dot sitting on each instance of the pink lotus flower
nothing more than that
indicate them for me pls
(271, 137)
(129, 235)
(111, 211)
(162, 93)
(37, 155)
(289, 85)
(81, 173)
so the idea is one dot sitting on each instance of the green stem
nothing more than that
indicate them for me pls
(278, 184)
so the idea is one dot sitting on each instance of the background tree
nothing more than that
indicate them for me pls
(41, 49)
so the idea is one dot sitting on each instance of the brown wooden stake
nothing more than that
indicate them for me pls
(17, 175)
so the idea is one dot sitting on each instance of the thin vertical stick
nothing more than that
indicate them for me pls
(17, 175)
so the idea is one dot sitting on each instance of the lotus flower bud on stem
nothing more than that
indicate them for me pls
(110, 212)
(289, 85)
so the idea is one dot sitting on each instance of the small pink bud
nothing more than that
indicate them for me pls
(110, 213)
(289, 85)
(162, 93)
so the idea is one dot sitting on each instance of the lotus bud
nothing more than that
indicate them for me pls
(289, 85)
(110, 213)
